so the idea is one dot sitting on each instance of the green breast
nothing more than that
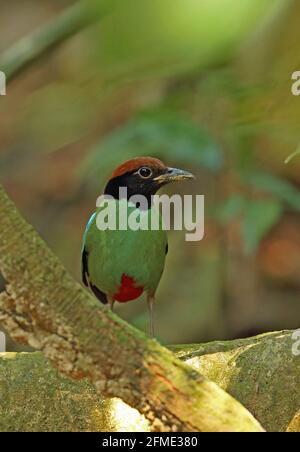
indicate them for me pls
(139, 254)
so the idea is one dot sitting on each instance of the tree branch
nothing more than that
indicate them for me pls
(44, 307)
(261, 372)
(32, 47)
(35, 398)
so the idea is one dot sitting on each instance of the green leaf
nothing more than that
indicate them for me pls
(160, 134)
(230, 208)
(274, 185)
(260, 217)
(294, 154)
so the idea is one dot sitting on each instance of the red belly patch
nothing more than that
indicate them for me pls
(128, 290)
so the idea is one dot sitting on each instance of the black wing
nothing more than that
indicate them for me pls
(84, 268)
(85, 278)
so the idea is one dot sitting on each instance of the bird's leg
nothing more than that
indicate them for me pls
(111, 302)
(151, 300)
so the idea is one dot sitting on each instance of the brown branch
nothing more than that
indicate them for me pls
(32, 47)
(44, 307)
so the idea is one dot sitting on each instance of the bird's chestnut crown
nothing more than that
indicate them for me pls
(143, 176)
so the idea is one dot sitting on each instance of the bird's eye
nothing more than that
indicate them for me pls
(145, 172)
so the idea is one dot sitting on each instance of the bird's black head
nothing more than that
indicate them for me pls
(143, 176)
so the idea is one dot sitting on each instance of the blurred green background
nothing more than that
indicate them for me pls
(201, 84)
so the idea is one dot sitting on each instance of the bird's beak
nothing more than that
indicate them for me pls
(173, 174)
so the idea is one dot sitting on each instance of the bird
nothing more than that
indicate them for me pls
(120, 265)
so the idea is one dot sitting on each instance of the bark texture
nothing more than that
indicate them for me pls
(44, 307)
(34, 397)
(263, 373)
(260, 372)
